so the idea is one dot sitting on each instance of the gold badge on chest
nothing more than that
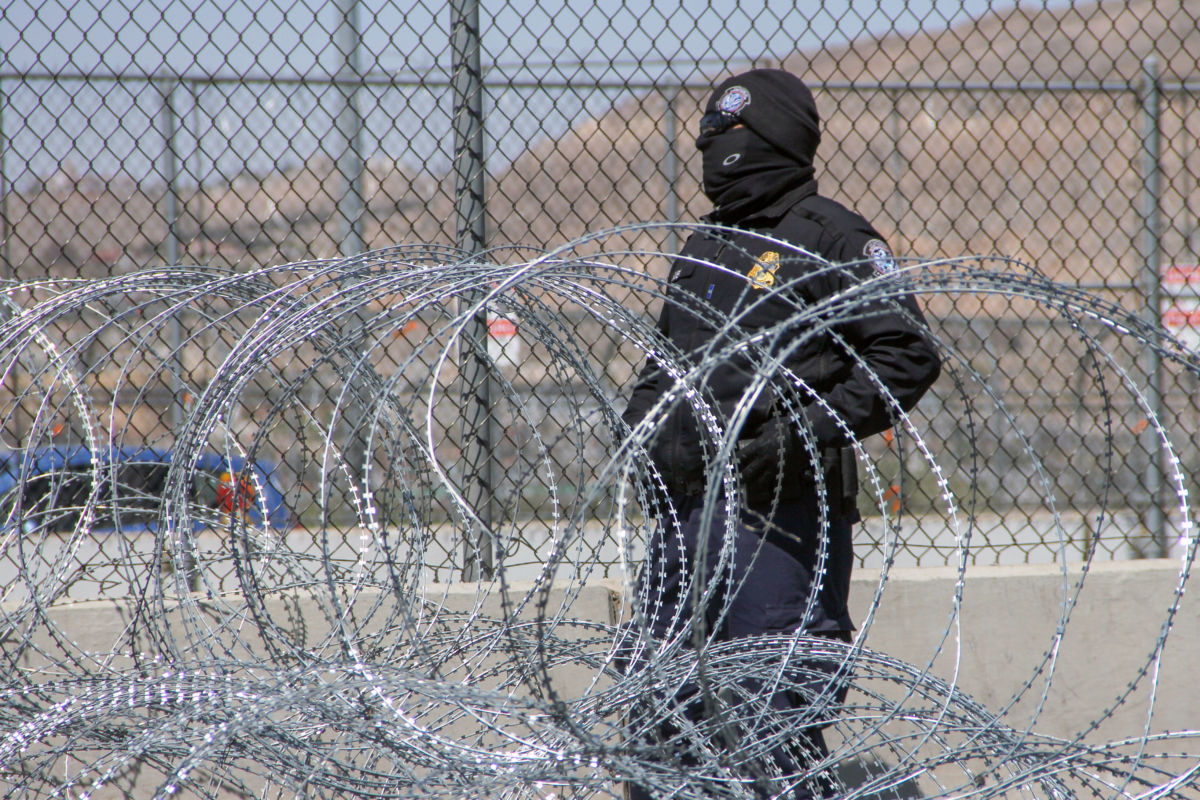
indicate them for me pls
(762, 274)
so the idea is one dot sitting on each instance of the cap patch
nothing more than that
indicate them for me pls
(734, 100)
(880, 255)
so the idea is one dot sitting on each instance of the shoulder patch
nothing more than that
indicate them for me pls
(880, 255)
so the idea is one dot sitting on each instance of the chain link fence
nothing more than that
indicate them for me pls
(239, 136)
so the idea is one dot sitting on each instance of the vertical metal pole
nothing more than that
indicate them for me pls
(480, 472)
(348, 129)
(200, 208)
(184, 562)
(671, 168)
(170, 169)
(1191, 219)
(896, 168)
(199, 211)
(1151, 252)
(19, 426)
(347, 144)
(897, 159)
(171, 247)
(468, 124)
(10, 271)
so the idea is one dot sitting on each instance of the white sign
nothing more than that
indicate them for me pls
(1181, 303)
(504, 346)
(1181, 316)
(1181, 279)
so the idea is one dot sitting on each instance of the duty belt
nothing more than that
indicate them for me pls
(837, 463)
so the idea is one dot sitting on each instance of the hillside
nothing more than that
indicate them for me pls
(1050, 177)
(1044, 176)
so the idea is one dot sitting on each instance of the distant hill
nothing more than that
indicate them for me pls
(1050, 177)
(1080, 42)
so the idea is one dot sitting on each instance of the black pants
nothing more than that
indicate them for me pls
(763, 588)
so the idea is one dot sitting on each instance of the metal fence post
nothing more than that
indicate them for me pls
(479, 424)
(671, 167)
(348, 126)
(897, 161)
(171, 246)
(170, 251)
(1151, 252)
(10, 272)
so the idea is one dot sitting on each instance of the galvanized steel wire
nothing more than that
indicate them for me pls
(343, 663)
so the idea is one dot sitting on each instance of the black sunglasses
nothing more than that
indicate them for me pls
(717, 122)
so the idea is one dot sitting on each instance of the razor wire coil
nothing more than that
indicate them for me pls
(271, 654)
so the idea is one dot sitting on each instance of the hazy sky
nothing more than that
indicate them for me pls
(224, 128)
(233, 36)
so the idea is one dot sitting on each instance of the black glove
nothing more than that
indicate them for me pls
(774, 449)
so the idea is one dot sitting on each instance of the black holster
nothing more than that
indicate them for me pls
(841, 479)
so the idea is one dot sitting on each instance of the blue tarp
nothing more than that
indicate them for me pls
(264, 492)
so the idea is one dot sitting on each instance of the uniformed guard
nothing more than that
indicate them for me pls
(758, 139)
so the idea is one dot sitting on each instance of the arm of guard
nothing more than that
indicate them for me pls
(645, 391)
(894, 348)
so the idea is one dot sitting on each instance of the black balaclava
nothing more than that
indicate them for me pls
(747, 169)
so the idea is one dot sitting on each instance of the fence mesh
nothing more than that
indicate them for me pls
(241, 136)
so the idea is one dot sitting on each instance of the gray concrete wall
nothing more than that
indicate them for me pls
(1007, 628)
(1003, 635)
(995, 642)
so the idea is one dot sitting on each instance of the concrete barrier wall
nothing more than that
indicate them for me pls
(1016, 627)
(1007, 631)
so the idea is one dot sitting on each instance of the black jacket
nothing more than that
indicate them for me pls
(888, 336)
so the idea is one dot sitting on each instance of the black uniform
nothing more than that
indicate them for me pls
(887, 337)
(758, 170)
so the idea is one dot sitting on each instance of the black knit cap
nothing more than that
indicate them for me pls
(777, 106)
